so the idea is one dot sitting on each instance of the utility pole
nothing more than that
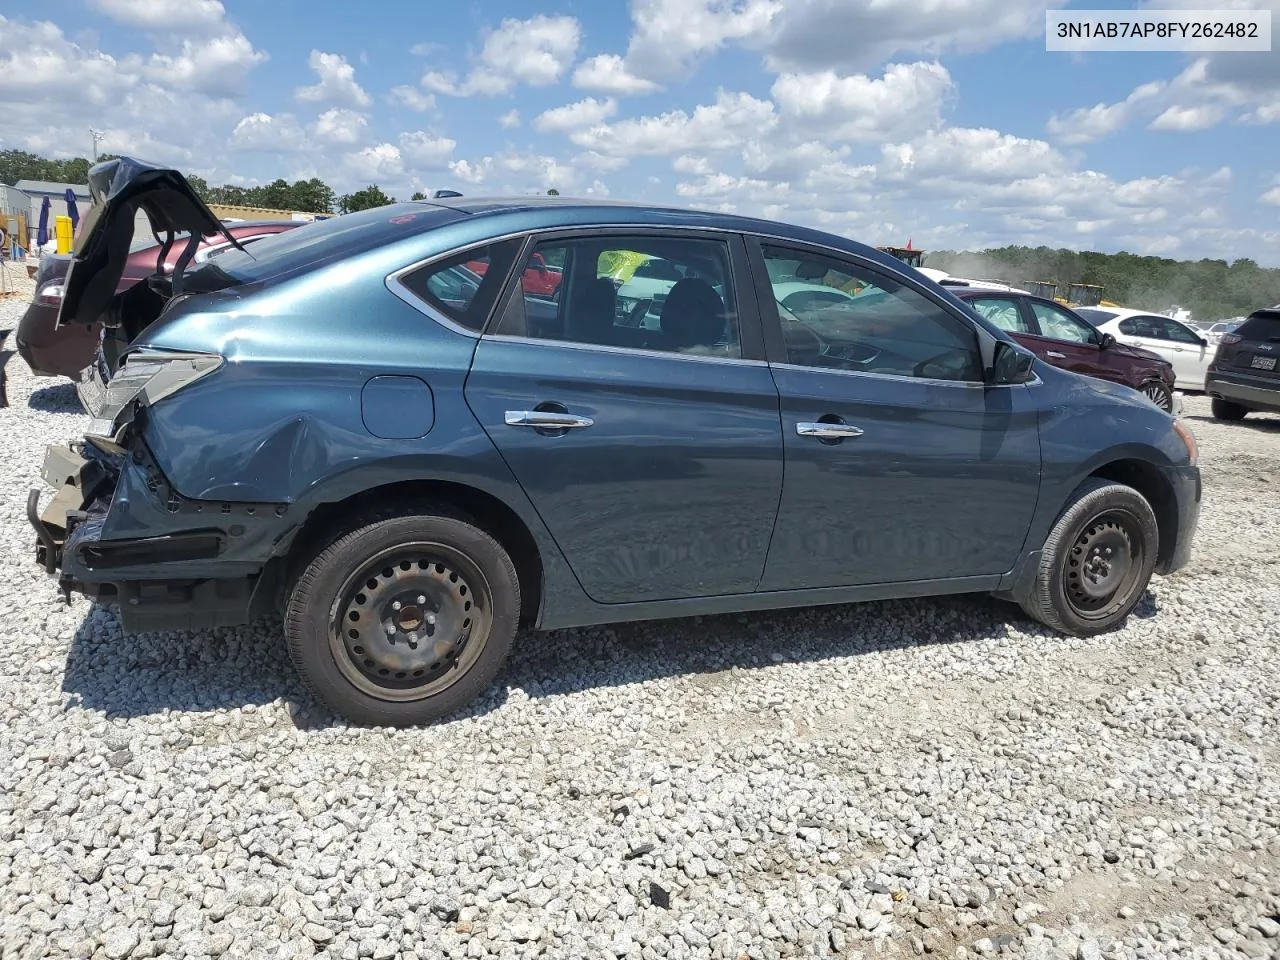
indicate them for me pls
(97, 139)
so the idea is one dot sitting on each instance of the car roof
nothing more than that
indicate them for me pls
(572, 212)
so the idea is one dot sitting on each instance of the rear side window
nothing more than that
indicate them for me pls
(1003, 313)
(465, 286)
(1262, 326)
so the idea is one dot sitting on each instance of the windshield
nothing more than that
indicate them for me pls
(324, 241)
(1262, 326)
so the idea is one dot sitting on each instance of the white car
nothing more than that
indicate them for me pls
(1188, 351)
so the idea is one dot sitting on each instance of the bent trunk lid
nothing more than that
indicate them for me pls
(119, 188)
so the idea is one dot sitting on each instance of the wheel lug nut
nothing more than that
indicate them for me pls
(431, 619)
(396, 605)
(422, 598)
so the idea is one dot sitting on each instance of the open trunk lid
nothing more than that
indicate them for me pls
(119, 188)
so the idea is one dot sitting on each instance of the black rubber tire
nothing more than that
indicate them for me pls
(1158, 392)
(1226, 410)
(313, 597)
(1047, 601)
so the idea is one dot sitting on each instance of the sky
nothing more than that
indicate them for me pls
(945, 122)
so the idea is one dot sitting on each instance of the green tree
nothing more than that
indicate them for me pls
(418, 195)
(312, 196)
(553, 192)
(370, 196)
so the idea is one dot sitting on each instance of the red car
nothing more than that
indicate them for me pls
(53, 351)
(1064, 339)
(540, 279)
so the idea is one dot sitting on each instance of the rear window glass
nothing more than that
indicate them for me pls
(324, 241)
(1095, 316)
(1261, 326)
(465, 286)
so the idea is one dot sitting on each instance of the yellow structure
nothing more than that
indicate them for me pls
(62, 232)
(231, 211)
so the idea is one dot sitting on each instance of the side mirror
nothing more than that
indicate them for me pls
(1204, 342)
(1107, 341)
(1011, 364)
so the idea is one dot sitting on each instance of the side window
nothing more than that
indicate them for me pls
(1173, 330)
(859, 319)
(1060, 325)
(668, 294)
(465, 287)
(1003, 313)
(1142, 327)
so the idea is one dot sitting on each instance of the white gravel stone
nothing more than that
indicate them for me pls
(888, 780)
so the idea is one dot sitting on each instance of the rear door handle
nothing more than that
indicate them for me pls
(827, 431)
(546, 420)
(1055, 354)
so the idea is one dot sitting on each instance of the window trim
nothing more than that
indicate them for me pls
(394, 282)
(750, 333)
(772, 323)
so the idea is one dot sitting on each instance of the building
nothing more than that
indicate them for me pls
(37, 190)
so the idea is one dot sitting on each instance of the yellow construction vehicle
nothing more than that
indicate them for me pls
(908, 254)
(1048, 289)
(1085, 295)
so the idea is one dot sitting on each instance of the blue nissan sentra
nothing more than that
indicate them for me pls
(370, 426)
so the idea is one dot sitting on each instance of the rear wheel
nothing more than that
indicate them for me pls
(1226, 410)
(403, 620)
(1097, 560)
(1158, 392)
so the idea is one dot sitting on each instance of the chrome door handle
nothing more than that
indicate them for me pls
(1055, 354)
(545, 420)
(827, 431)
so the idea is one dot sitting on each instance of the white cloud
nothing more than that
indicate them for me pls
(262, 131)
(516, 172)
(574, 116)
(1101, 120)
(216, 66)
(339, 125)
(1271, 197)
(536, 52)
(509, 120)
(607, 73)
(163, 15)
(812, 34)
(337, 82)
(973, 155)
(908, 98)
(1185, 119)
(689, 164)
(599, 162)
(728, 122)
(413, 98)
(378, 162)
(426, 151)
(669, 35)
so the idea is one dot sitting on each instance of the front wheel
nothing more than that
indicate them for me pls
(1097, 560)
(404, 619)
(1158, 392)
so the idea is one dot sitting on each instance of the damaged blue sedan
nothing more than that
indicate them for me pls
(369, 426)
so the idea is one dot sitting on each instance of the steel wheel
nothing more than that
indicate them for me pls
(1104, 562)
(411, 621)
(1159, 394)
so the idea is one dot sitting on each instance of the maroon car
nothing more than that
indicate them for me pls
(53, 351)
(1061, 337)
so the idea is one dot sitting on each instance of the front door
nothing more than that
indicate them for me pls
(901, 464)
(1070, 343)
(645, 433)
(1181, 346)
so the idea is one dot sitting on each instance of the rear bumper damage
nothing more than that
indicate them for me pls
(116, 532)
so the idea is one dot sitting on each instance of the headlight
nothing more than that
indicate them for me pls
(150, 376)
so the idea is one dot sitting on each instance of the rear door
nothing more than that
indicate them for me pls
(902, 465)
(652, 451)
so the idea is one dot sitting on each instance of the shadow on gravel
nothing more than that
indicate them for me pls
(129, 676)
(60, 398)
(1259, 422)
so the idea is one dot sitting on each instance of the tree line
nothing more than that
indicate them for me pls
(306, 196)
(1210, 289)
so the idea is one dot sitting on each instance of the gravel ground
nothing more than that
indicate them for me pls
(887, 780)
